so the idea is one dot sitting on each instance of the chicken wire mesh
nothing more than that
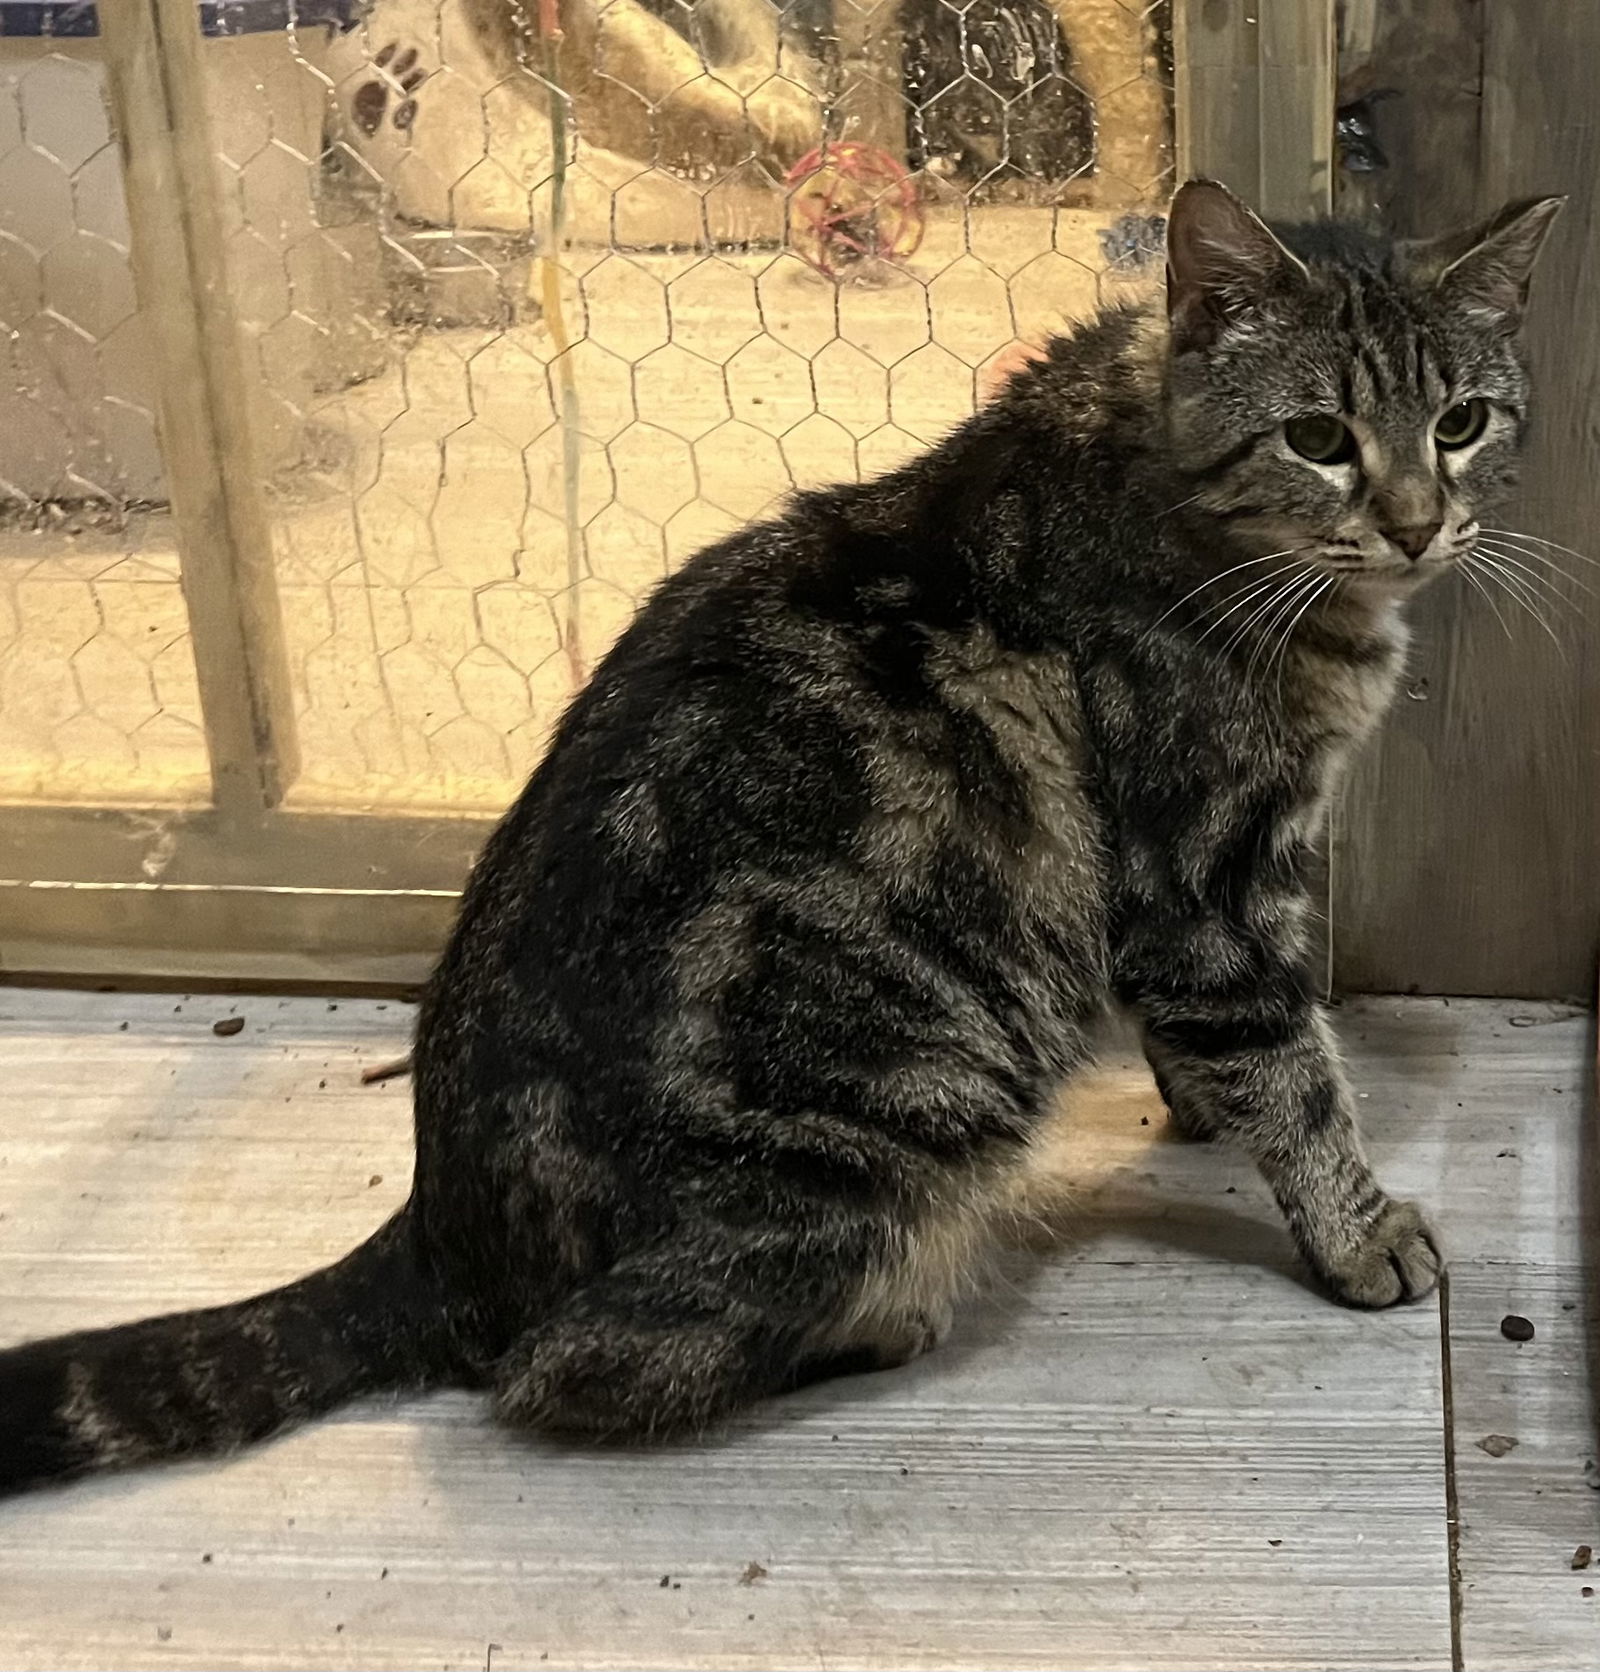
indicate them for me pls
(97, 685)
(535, 300)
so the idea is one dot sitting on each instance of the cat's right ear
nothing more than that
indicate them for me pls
(1221, 263)
(1485, 271)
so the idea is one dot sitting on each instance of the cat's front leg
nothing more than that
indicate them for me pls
(1250, 1057)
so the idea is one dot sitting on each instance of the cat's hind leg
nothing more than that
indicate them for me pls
(676, 1337)
(1185, 1105)
(628, 1357)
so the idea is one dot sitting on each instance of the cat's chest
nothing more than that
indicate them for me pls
(1340, 700)
(1216, 759)
(1334, 706)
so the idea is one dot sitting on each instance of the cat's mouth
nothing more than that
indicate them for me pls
(1385, 563)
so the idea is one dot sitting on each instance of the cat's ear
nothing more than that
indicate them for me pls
(1486, 269)
(1221, 262)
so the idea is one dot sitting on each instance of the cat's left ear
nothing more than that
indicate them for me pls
(1486, 269)
(1222, 262)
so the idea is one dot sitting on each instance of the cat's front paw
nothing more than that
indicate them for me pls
(1397, 1260)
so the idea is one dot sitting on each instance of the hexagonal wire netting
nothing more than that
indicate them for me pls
(97, 683)
(535, 300)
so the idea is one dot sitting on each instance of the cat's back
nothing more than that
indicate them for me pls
(719, 738)
(820, 707)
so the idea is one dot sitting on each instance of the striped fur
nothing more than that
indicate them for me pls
(760, 993)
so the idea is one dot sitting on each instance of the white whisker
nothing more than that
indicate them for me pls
(1502, 547)
(1468, 575)
(1226, 608)
(1278, 635)
(1274, 597)
(1537, 577)
(1281, 654)
(1520, 588)
(1498, 576)
(1540, 540)
(1266, 637)
(1211, 580)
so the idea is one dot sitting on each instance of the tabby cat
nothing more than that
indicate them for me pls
(760, 992)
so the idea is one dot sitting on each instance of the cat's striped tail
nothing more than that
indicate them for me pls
(205, 1382)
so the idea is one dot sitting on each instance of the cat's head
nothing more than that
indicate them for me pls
(1351, 400)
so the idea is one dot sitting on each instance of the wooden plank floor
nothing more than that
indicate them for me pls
(1151, 1446)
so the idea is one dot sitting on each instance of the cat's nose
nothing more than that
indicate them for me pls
(1415, 539)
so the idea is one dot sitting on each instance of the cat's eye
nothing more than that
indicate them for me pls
(1321, 438)
(1462, 424)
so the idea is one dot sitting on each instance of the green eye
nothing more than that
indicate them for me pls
(1321, 438)
(1462, 424)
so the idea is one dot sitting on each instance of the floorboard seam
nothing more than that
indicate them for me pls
(1452, 1500)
